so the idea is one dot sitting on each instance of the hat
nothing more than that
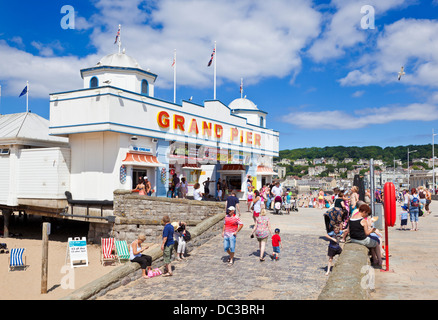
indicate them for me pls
(231, 208)
(175, 225)
(145, 177)
(404, 207)
(277, 230)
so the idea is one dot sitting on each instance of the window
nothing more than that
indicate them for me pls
(261, 121)
(144, 87)
(94, 83)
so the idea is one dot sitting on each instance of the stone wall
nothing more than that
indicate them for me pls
(141, 214)
(346, 280)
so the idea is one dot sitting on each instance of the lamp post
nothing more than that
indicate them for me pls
(433, 161)
(394, 170)
(409, 173)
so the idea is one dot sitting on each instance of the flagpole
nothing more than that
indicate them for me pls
(174, 76)
(120, 38)
(215, 58)
(27, 96)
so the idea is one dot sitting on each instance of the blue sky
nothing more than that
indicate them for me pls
(323, 78)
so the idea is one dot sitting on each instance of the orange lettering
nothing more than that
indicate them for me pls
(257, 139)
(193, 126)
(218, 131)
(163, 119)
(206, 127)
(178, 122)
(249, 137)
(234, 133)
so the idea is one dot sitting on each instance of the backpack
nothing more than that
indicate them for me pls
(415, 202)
(187, 236)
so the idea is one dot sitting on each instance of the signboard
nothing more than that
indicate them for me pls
(77, 252)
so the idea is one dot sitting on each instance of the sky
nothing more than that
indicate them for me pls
(326, 72)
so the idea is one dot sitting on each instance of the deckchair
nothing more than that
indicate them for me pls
(122, 250)
(16, 259)
(107, 248)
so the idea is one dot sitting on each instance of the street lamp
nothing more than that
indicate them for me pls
(394, 169)
(409, 185)
(433, 161)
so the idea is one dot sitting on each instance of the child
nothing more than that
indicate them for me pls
(404, 217)
(180, 231)
(276, 244)
(334, 248)
(250, 198)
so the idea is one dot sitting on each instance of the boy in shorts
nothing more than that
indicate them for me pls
(276, 244)
(333, 248)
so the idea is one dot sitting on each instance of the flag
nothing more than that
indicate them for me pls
(117, 36)
(241, 85)
(23, 92)
(173, 63)
(212, 55)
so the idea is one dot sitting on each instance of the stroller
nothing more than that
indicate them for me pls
(294, 205)
(277, 205)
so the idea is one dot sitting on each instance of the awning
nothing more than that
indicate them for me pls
(232, 168)
(265, 171)
(191, 166)
(143, 160)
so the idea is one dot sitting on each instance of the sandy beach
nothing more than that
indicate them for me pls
(26, 285)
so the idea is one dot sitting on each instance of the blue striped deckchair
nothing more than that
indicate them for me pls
(16, 259)
(122, 250)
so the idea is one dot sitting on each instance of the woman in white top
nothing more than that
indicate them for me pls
(135, 255)
(184, 187)
(197, 195)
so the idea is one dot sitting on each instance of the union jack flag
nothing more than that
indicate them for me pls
(212, 55)
(117, 36)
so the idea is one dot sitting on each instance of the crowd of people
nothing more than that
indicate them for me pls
(345, 216)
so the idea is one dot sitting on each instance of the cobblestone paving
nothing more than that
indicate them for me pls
(299, 274)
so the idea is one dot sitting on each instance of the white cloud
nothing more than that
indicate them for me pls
(341, 120)
(255, 40)
(408, 42)
(343, 30)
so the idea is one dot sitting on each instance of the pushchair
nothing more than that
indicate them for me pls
(294, 205)
(277, 205)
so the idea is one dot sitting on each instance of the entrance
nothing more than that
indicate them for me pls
(137, 173)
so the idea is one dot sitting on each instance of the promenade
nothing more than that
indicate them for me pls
(300, 272)
(413, 262)
(298, 275)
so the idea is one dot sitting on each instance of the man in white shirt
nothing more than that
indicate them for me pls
(277, 190)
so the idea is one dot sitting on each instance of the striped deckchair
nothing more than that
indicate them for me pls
(16, 259)
(122, 250)
(106, 254)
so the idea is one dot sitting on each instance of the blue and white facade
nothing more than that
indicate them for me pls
(119, 131)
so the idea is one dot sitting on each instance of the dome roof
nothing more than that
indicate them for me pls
(119, 60)
(242, 103)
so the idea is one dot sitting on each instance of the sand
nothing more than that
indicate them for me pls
(26, 285)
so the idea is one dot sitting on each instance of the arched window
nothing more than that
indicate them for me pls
(94, 83)
(261, 121)
(144, 87)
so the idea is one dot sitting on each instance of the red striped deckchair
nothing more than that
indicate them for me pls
(107, 246)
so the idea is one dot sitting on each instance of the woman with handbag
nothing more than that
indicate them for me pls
(262, 230)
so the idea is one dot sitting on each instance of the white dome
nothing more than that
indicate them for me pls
(242, 103)
(119, 60)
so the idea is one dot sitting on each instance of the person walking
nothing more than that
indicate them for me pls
(232, 225)
(257, 206)
(262, 230)
(414, 208)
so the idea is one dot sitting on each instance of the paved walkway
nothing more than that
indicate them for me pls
(413, 260)
(298, 275)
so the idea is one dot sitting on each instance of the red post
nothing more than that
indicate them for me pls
(390, 215)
